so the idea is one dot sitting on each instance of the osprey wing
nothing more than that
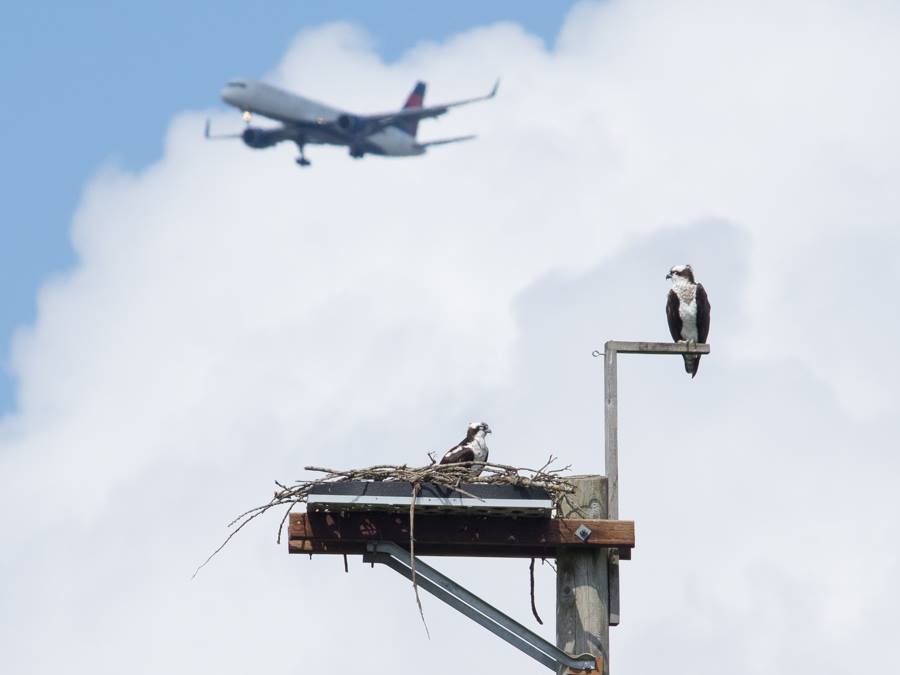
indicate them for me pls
(460, 453)
(673, 316)
(703, 308)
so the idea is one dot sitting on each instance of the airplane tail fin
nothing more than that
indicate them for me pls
(415, 99)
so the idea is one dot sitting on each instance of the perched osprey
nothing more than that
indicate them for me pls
(687, 310)
(473, 448)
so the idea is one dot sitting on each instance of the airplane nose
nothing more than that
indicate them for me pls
(234, 92)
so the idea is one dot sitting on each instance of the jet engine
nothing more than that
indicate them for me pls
(351, 123)
(261, 138)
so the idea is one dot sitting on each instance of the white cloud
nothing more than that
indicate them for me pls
(233, 318)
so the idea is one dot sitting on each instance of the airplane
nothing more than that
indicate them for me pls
(307, 122)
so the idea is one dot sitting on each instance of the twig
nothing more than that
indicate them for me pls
(281, 524)
(412, 554)
(533, 607)
(224, 543)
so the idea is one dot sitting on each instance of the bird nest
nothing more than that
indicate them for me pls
(454, 476)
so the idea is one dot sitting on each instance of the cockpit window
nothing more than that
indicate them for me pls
(242, 85)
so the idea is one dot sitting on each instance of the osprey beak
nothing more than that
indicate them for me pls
(669, 275)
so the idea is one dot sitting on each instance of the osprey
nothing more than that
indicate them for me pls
(473, 448)
(687, 310)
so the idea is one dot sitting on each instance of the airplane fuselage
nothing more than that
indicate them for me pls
(308, 121)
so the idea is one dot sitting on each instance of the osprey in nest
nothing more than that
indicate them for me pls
(473, 448)
(687, 310)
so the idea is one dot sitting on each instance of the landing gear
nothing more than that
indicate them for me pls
(301, 160)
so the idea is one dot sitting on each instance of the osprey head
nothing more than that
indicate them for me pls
(681, 272)
(475, 427)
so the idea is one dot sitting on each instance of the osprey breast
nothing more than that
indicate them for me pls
(687, 293)
(480, 448)
(687, 311)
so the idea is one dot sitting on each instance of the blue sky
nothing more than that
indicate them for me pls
(90, 83)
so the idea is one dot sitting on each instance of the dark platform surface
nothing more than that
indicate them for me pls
(484, 536)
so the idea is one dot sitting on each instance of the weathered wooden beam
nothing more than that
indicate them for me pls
(484, 536)
(319, 547)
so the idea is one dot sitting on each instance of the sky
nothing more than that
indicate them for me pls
(220, 319)
(97, 82)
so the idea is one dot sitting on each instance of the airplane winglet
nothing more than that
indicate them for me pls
(494, 90)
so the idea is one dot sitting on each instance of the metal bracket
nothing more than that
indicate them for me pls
(485, 615)
(610, 353)
(583, 532)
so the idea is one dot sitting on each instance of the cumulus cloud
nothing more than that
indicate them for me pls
(232, 319)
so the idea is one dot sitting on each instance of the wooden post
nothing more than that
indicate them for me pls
(582, 586)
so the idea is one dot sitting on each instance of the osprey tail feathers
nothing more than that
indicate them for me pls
(691, 364)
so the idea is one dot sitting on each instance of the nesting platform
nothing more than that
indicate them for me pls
(490, 521)
(396, 496)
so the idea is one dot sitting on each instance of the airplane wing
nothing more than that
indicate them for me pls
(444, 141)
(379, 121)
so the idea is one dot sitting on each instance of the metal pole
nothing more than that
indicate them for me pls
(582, 590)
(466, 602)
(611, 351)
(611, 419)
(611, 445)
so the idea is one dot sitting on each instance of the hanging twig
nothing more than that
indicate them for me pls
(412, 554)
(281, 524)
(224, 543)
(533, 607)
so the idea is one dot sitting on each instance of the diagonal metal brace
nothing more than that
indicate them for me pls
(485, 615)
